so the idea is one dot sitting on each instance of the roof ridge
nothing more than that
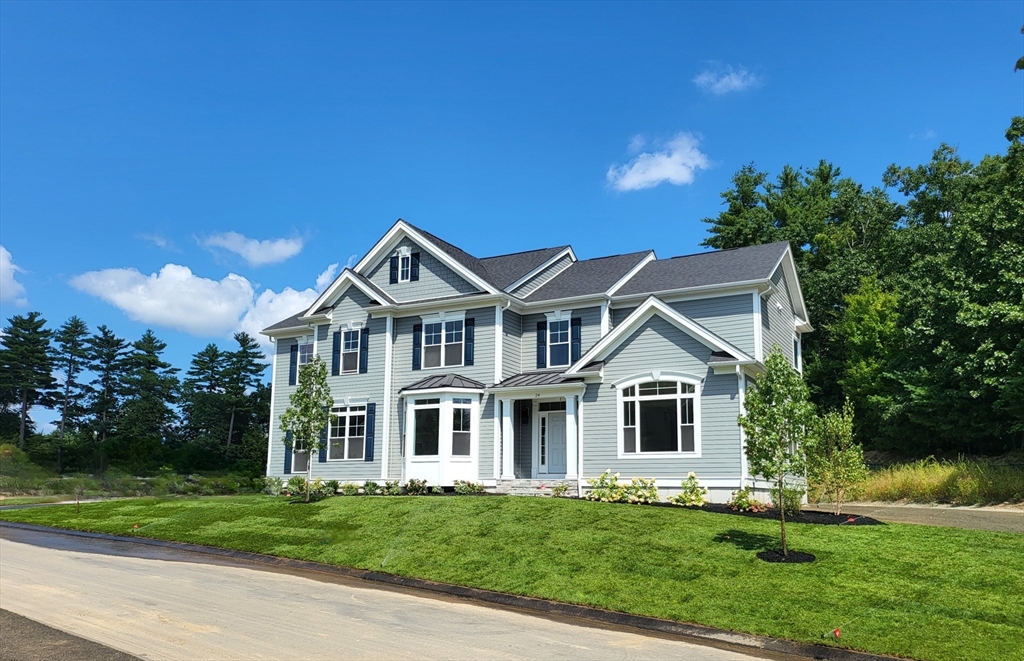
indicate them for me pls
(721, 250)
(523, 252)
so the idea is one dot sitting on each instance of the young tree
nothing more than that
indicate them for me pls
(834, 462)
(777, 422)
(307, 414)
(26, 364)
(70, 356)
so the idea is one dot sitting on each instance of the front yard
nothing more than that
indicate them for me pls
(915, 591)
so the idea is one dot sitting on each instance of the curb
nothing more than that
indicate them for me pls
(691, 632)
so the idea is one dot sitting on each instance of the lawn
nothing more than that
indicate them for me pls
(915, 591)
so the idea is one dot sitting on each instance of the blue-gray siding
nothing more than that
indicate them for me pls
(657, 344)
(548, 274)
(777, 324)
(590, 333)
(511, 350)
(729, 317)
(436, 279)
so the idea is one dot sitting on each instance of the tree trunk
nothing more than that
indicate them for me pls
(782, 517)
(24, 416)
(64, 417)
(309, 472)
(231, 430)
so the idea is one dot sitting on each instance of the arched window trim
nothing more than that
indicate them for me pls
(657, 375)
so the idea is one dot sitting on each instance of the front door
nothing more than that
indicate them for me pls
(552, 443)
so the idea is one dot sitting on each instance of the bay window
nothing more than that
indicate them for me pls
(659, 417)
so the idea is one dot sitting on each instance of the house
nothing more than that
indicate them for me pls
(537, 367)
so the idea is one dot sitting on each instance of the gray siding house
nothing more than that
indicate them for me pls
(527, 370)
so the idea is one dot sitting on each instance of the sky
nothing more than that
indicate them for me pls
(201, 168)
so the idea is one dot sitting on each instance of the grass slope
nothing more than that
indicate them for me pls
(916, 591)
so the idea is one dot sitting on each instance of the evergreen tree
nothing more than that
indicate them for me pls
(107, 354)
(26, 365)
(150, 388)
(244, 370)
(70, 356)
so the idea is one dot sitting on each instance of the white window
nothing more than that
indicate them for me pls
(300, 457)
(305, 353)
(558, 343)
(461, 432)
(348, 432)
(350, 351)
(404, 268)
(659, 417)
(442, 344)
(427, 417)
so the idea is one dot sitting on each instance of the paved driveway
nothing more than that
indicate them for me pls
(159, 608)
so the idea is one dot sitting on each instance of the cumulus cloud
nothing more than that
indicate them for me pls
(254, 251)
(352, 261)
(271, 307)
(173, 298)
(11, 291)
(676, 164)
(326, 277)
(724, 79)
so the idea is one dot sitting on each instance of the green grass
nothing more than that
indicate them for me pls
(960, 482)
(915, 591)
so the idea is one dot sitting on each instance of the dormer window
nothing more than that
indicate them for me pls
(404, 266)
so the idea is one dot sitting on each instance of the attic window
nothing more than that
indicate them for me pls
(404, 267)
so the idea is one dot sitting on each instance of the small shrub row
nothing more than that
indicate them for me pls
(607, 489)
(296, 486)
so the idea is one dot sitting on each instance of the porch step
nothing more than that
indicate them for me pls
(523, 487)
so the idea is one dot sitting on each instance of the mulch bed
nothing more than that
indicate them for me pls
(806, 516)
(793, 556)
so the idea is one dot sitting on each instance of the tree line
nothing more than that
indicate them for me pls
(119, 404)
(915, 288)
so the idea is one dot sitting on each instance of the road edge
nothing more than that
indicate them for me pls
(690, 632)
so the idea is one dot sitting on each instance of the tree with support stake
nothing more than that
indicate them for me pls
(777, 423)
(308, 413)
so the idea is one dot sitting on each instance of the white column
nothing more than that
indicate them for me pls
(571, 438)
(508, 471)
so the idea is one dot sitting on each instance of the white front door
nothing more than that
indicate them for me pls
(552, 443)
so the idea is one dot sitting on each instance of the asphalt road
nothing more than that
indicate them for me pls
(999, 519)
(158, 607)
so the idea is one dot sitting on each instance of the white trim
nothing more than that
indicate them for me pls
(533, 392)
(606, 318)
(744, 468)
(558, 316)
(685, 292)
(386, 413)
(758, 332)
(346, 437)
(337, 288)
(645, 311)
(635, 381)
(540, 269)
(499, 325)
(386, 244)
(796, 294)
(633, 271)
(440, 391)
(507, 451)
(273, 388)
(663, 482)
(571, 438)
(658, 375)
(798, 352)
(341, 352)
(443, 319)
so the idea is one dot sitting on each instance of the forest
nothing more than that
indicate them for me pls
(915, 286)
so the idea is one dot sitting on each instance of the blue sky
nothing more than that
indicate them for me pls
(194, 167)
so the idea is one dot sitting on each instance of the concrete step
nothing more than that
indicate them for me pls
(525, 487)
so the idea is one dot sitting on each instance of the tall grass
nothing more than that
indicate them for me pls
(959, 482)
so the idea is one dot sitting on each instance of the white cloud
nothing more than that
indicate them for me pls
(326, 277)
(158, 241)
(722, 80)
(11, 291)
(636, 144)
(254, 251)
(173, 298)
(352, 261)
(271, 307)
(676, 164)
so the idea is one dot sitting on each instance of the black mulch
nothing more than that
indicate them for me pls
(792, 557)
(806, 516)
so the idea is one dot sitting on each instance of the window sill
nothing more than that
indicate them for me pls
(441, 367)
(659, 455)
(334, 461)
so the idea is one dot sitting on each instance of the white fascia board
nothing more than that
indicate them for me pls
(441, 391)
(645, 311)
(402, 229)
(565, 303)
(690, 292)
(414, 308)
(338, 287)
(283, 333)
(796, 293)
(540, 269)
(633, 271)
(548, 389)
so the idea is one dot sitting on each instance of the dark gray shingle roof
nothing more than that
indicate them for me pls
(721, 357)
(536, 379)
(588, 276)
(703, 269)
(444, 381)
(507, 269)
(290, 322)
(458, 254)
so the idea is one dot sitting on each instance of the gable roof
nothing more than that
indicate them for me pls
(588, 277)
(706, 269)
(649, 308)
(506, 270)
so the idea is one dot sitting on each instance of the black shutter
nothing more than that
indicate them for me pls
(364, 350)
(287, 452)
(467, 348)
(542, 344)
(417, 345)
(414, 267)
(323, 439)
(576, 339)
(394, 270)
(336, 354)
(293, 364)
(371, 423)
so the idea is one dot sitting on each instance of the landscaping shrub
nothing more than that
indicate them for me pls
(333, 485)
(371, 488)
(273, 485)
(466, 488)
(416, 487)
(692, 494)
(605, 488)
(350, 489)
(793, 501)
(641, 491)
(559, 490)
(392, 488)
(742, 502)
(436, 489)
(296, 485)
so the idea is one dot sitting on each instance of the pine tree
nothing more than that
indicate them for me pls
(107, 354)
(150, 388)
(242, 376)
(26, 364)
(70, 356)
